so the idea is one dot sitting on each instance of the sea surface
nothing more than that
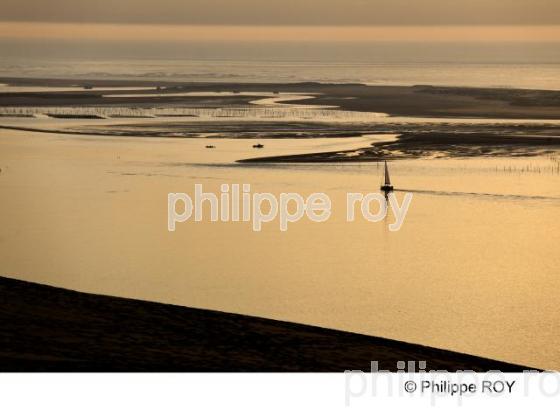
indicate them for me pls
(508, 75)
(474, 267)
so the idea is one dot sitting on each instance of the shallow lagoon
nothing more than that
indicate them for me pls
(473, 269)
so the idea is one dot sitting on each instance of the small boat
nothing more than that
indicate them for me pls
(258, 146)
(210, 146)
(387, 187)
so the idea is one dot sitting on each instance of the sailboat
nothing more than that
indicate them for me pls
(387, 187)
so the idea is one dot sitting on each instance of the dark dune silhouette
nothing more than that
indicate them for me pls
(51, 329)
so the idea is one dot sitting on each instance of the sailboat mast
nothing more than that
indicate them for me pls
(387, 179)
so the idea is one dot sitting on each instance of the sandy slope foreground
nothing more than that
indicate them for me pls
(51, 329)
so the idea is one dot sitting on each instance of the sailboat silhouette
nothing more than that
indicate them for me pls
(387, 187)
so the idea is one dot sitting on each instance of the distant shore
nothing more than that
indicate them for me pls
(52, 329)
(421, 100)
(429, 121)
(412, 145)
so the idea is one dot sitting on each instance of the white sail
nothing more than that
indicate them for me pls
(387, 179)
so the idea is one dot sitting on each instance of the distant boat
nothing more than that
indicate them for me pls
(258, 146)
(210, 146)
(387, 187)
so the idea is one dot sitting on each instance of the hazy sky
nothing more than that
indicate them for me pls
(380, 30)
(286, 12)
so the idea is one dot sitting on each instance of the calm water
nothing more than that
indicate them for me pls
(474, 267)
(513, 75)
